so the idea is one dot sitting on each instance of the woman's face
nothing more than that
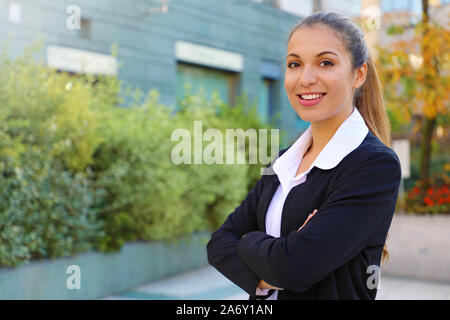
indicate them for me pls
(318, 63)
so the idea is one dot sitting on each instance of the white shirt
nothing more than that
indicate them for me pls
(347, 138)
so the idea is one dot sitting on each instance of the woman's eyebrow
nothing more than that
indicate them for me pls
(318, 55)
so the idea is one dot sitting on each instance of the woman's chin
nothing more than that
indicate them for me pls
(308, 116)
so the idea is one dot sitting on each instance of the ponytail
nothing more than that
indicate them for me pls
(369, 102)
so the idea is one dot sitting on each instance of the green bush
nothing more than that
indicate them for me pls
(79, 172)
(149, 197)
(47, 110)
(439, 158)
(231, 187)
(46, 143)
(45, 212)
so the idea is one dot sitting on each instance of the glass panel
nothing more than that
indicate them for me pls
(201, 78)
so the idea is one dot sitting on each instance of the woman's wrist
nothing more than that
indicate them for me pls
(264, 285)
(261, 285)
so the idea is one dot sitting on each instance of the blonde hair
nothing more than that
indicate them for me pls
(370, 104)
(368, 98)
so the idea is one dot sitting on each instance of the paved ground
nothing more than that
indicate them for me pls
(207, 283)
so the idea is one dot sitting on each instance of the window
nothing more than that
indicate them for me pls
(412, 8)
(399, 5)
(196, 78)
(267, 100)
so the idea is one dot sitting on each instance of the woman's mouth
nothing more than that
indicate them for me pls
(308, 100)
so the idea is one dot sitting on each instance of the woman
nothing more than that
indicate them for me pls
(316, 229)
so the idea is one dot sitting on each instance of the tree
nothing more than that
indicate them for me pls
(416, 81)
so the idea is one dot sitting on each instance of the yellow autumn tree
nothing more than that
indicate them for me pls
(416, 80)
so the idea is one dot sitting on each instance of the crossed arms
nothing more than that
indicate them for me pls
(360, 198)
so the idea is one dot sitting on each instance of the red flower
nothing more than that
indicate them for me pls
(430, 191)
(416, 190)
(428, 201)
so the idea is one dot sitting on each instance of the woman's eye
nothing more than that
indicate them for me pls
(329, 63)
(292, 63)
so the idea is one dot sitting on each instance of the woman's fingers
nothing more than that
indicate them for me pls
(275, 288)
(307, 219)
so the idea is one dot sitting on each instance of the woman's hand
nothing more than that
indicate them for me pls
(309, 217)
(264, 285)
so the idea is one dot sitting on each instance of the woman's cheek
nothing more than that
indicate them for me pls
(290, 79)
(287, 84)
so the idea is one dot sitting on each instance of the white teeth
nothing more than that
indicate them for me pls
(310, 96)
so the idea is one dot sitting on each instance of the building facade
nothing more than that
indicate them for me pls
(231, 47)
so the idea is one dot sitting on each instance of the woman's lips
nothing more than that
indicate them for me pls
(312, 102)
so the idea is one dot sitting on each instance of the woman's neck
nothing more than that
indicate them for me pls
(323, 131)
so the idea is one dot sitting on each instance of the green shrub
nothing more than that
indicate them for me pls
(79, 172)
(47, 110)
(233, 180)
(47, 139)
(45, 212)
(147, 196)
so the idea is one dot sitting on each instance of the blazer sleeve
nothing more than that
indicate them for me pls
(359, 199)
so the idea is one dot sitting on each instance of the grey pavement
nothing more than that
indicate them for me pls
(207, 283)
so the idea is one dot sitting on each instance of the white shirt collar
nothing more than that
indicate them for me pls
(347, 138)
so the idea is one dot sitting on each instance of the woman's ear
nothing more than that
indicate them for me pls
(360, 76)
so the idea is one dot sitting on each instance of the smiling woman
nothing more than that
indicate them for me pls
(317, 228)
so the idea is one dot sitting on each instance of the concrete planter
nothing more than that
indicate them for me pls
(103, 274)
(419, 247)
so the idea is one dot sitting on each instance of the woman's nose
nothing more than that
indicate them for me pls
(307, 77)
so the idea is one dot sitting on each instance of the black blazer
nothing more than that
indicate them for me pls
(330, 256)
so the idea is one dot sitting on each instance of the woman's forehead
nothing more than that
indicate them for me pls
(313, 40)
